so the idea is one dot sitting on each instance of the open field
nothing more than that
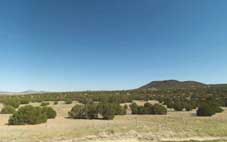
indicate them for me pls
(175, 126)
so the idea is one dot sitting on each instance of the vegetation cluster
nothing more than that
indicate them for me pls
(107, 111)
(31, 115)
(148, 108)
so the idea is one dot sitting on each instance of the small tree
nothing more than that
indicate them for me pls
(77, 112)
(28, 115)
(205, 110)
(55, 102)
(134, 108)
(12, 102)
(7, 110)
(215, 106)
(45, 104)
(106, 110)
(218, 109)
(159, 109)
(188, 107)
(68, 101)
(108, 115)
(169, 103)
(118, 109)
(91, 111)
(225, 102)
(24, 101)
(49, 112)
(178, 106)
(148, 109)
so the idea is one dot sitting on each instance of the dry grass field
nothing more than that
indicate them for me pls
(176, 126)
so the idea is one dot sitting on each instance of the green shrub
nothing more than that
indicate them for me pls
(77, 112)
(178, 106)
(45, 104)
(188, 107)
(68, 101)
(215, 106)
(169, 103)
(125, 109)
(148, 109)
(108, 115)
(12, 102)
(225, 102)
(118, 109)
(106, 110)
(50, 112)
(217, 109)
(24, 101)
(134, 108)
(91, 111)
(86, 100)
(141, 110)
(205, 110)
(8, 110)
(56, 102)
(28, 115)
(159, 109)
(88, 111)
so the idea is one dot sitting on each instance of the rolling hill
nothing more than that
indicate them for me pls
(174, 84)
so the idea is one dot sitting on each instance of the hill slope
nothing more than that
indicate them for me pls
(174, 84)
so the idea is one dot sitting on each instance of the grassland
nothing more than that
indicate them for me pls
(175, 126)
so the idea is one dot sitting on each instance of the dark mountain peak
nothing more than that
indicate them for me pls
(174, 84)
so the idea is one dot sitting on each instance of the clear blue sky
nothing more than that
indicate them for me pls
(60, 45)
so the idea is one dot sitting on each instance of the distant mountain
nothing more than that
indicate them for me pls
(174, 84)
(22, 93)
(218, 85)
(1, 92)
(32, 91)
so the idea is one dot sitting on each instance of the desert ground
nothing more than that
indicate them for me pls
(176, 126)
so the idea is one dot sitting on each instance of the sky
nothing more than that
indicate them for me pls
(73, 45)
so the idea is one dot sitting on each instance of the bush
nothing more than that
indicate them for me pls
(28, 115)
(218, 109)
(178, 106)
(169, 103)
(56, 102)
(91, 111)
(86, 100)
(216, 106)
(45, 104)
(134, 108)
(148, 109)
(141, 110)
(118, 109)
(108, 115)
(125, 108)
(12, 102)
(205, 110)
(188, 107)
(225, 102)
(159, 109)
(68, 101)
(106, 110)
(8, 110)
(77, 112)
(24, 101)
(88, 111)
(49, 112)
